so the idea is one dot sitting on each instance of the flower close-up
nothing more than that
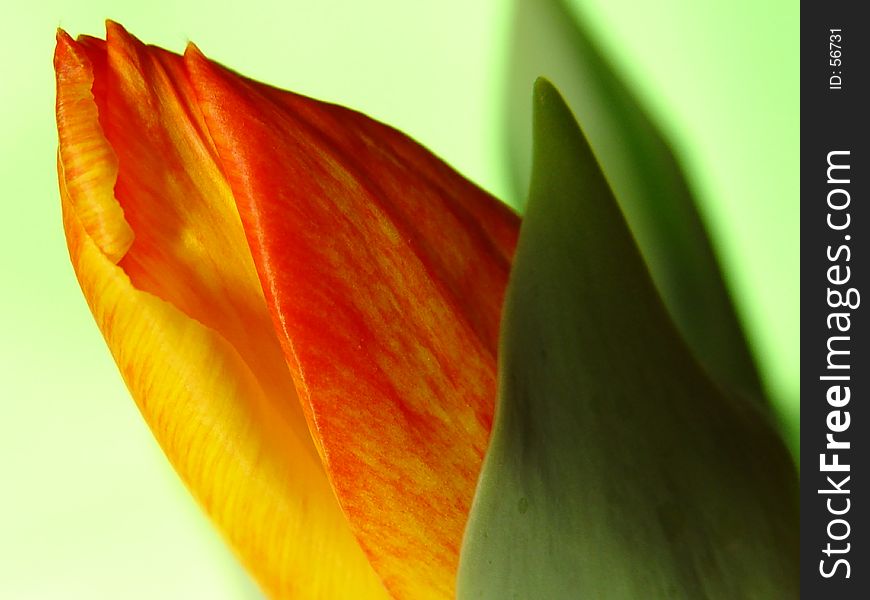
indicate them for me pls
(261, 264)
(378, 381)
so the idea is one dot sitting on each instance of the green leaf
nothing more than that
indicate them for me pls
(645, 175)
(616, 468)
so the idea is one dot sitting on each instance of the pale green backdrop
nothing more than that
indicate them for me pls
(89, 508)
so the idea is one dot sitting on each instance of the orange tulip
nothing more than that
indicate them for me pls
(303, 302)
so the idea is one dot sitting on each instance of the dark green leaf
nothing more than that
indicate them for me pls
(616, 468)
(646, 177)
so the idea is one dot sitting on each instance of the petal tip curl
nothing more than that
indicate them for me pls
(87, 165)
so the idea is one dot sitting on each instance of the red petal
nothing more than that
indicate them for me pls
(161, 256)
(384, 271)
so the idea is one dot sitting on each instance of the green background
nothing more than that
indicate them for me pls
(89, 507)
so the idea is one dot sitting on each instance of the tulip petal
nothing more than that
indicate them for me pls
(90, 165)
(385, 271)
(161, 257)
